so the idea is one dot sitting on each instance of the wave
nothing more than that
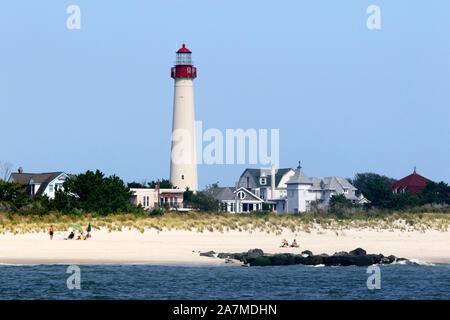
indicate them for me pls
(412, 262)
(18, 264)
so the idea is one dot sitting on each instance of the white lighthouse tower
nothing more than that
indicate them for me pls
(183, 165)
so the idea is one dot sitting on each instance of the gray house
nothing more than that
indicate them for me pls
(236, 200)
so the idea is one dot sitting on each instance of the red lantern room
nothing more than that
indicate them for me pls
(183, 65)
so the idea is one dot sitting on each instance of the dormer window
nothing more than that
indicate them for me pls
(263, 181)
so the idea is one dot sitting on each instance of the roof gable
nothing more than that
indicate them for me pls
(230, 194)
(258, 173)
(299, 178)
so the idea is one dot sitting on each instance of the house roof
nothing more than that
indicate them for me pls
(24, 178)
(414, 183)
(230, 193)
(39, 178)
(331, 183)
(257, 173)
(222, 193)
(299, 177)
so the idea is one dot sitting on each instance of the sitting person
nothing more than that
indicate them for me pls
(284, 243)
(71, 235)
(294, 244)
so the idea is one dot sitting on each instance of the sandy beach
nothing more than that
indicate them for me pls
(182, 247)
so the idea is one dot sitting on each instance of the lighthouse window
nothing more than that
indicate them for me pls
(182, 177)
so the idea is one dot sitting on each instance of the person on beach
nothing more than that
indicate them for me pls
(50, 231)
(71, 235)
(294, 244)
(284, 243)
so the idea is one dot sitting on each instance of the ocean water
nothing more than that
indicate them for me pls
(411, 281)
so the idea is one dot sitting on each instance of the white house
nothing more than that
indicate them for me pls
(289, 190)
(40, 184)
(236, 200)
(268, 184)
(302, 191)
(150, 198)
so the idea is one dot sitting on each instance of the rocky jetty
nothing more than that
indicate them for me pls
(357, 257)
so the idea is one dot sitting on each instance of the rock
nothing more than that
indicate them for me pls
(261, 261)
(208, 254)
(284, 259)
(300, 259)
(255, 253)
(358, 252)
(340, 253)
(357, 257)
(313, 260)
(225, 255)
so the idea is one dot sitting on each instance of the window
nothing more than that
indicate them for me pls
(241, 195)
(145, 201)
(182, 177)
(50, 188)
(263, 180)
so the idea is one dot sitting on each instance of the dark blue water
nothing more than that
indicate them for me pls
(176, 282)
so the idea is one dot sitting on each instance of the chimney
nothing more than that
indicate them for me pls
(20, 170)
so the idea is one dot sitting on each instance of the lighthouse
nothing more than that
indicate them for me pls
(183, 164)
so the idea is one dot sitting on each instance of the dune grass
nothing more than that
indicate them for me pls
(223, 222)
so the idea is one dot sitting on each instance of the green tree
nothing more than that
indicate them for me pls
(400, 201)
(338, 204)
(13, 193)
(374, 187)
(201, 201)
(92, 191)
(435, 193)
(163, 184)
(135, 185)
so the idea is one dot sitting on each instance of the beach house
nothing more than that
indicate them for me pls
(236, 200)
(289, 190)
(150, 198)
(39, 184)
(267, 183)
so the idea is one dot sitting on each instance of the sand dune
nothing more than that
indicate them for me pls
(181, 247)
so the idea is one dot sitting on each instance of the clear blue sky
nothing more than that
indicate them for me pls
(346, 99)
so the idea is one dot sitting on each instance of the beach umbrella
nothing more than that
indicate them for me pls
(89, 227)
(77, 227)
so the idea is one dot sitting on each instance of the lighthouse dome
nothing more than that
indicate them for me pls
(184, 49)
